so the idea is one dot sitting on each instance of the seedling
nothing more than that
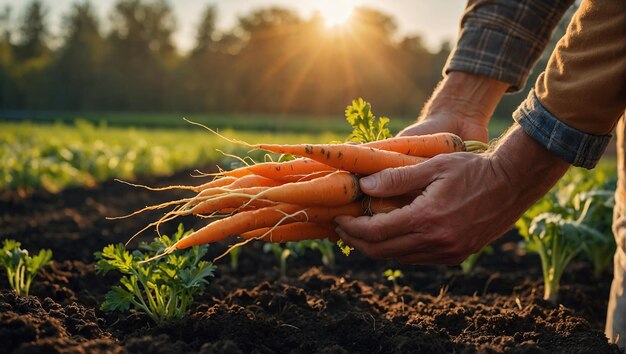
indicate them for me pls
(281, 254)
(234, 254)
(20, 267)
(164, 287)
(393, 275)
(325, 247)
(468, 265)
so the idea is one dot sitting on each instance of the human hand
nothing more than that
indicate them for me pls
(462, 104)
(465, 127)
(464, 201)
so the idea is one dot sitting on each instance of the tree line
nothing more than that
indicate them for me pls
(271, 61)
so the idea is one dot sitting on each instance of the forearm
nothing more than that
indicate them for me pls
(462, 104)
(473, 97)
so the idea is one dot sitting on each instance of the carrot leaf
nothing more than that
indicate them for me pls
(366, 127)
(163, 288)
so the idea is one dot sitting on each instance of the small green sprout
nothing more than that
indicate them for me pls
(281, 254)
(325, 247)
(366, 126)
(470, 262)
(20, 267)
(164, 287)
(234, 254)
(393, 275)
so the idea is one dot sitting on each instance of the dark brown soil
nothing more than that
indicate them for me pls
(353, 308)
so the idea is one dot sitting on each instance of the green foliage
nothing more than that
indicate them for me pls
(393, 275)
(21, 268)
(282, 251)
(574, 217)
(366, 126)
(56, 156)
(325, 247)
(164, 287)
(470, 262)
(234, 255)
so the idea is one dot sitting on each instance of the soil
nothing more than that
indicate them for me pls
(349, 309)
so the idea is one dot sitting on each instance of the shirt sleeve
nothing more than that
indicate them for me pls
(581, 95)
(503, 39)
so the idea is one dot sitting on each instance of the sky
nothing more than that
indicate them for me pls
(434, 20)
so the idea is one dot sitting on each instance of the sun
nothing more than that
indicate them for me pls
(335, 12)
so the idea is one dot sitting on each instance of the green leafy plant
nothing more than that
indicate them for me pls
(164, 287)
(571, 219)
(468, 265)
(365, 124)
(393, 275)
(21, 268)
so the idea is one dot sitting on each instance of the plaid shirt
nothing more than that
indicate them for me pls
(503, 39)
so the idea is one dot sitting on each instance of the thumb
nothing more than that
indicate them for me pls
(397, 181)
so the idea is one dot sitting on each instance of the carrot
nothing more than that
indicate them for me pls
(218, 182)
(351, 158)
(288, 171)
(284, 214)
(335, 189)
(297, 231)
(421, 145)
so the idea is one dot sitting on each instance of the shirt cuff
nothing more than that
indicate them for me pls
(494, 54)
(576, 147)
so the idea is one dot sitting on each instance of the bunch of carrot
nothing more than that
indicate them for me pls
(299, 199)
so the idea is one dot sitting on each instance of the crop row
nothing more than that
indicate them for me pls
(53, 157)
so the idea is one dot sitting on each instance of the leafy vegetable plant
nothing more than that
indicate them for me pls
(164, 287)
(573, 217)
(393, 275)
(21, 268)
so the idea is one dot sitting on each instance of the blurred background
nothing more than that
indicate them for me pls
(192, 56)
(249, 65)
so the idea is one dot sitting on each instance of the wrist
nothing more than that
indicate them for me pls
(472, 97)
(530, 168)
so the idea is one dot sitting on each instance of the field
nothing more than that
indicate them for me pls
(315, 307)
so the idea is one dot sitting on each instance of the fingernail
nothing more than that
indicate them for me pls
(368, 183)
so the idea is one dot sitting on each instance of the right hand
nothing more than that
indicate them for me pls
(462, 104)
(467, 129)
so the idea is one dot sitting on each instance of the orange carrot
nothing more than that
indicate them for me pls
(288, 171)
(219, 182)
(338, 188)
(297, 231)
(421, 145)
(285, 214)
(351, 158)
